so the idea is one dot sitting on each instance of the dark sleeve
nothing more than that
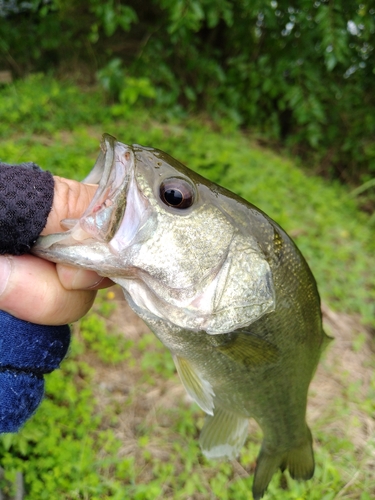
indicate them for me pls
(26, 196)
(27, 351)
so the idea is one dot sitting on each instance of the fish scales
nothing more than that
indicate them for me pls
(221, 285)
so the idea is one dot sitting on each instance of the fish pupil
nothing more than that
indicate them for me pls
(173, 197)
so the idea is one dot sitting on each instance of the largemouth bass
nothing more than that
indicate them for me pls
(220, 284)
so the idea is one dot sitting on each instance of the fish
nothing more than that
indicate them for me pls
(221, 285)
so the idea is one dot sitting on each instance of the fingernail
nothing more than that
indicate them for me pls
(85, 279)
(5, 270)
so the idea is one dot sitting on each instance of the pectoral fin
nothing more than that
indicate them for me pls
(223, 435)
(196, 386)
(250, 350)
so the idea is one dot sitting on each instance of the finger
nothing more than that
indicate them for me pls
(80, 279)
(71, 198)
(32, 291)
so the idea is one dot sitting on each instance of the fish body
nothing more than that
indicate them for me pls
(220, 284)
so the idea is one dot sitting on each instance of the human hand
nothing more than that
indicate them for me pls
(41, 292)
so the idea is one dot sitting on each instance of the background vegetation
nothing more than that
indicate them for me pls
(299, 73)
(212, 83)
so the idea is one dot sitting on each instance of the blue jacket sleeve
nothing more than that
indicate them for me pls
(27, 351)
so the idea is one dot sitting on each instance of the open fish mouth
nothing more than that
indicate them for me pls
(102, 218)
(112, 172)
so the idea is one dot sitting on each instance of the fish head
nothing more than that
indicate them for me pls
(170, 238)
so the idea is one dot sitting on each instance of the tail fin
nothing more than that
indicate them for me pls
(299, 461)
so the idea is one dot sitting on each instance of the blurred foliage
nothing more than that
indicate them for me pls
(299, 73)
(124, 89)
(41, 104)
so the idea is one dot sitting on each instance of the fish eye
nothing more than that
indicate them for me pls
(177, 193)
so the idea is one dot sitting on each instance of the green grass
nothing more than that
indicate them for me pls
(115, 422)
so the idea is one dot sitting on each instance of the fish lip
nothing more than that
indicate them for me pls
(113, 170)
